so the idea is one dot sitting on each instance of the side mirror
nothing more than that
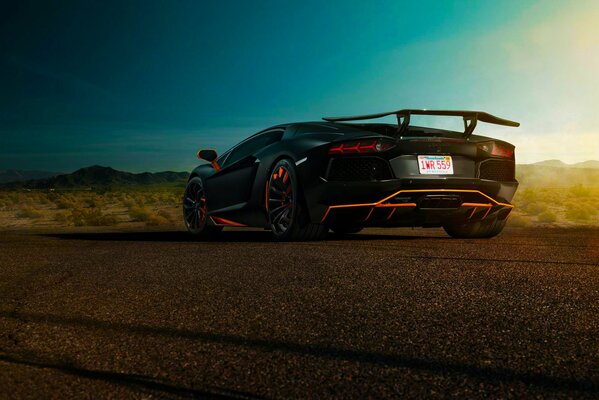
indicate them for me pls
(207, 155)
(210, 156)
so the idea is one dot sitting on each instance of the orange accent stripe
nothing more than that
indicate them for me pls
(354, 205)
(280, 171)
(397, 205)
(487, 213)
(447, 190)
(391, 213)
(379, 203)
(472, 213)
(477, 205)
(285, 177)
(369, 214)
(275, 176)
(266, 196)
(222, 221)
(326, 214)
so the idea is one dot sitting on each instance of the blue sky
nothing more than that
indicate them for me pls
(142, 85)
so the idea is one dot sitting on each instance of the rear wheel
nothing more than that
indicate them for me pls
(476, 229)
(194, 209)
(287, 215)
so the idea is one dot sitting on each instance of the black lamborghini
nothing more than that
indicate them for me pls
(301, 180)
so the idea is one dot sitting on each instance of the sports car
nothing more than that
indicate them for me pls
(302, 180)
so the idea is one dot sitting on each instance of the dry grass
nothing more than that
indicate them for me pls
(28, 212)
(161, 206)
(574, 205)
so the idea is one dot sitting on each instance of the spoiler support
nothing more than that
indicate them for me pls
(403, 118)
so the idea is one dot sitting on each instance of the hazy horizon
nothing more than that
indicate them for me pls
(140, 87)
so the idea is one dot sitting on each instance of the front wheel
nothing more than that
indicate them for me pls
(287, 215)
(194, 209)
(476, 229)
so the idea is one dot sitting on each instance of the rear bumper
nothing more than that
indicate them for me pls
(410, 201)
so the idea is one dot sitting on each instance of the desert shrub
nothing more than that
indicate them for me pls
(14, 198)
(592, 207)
(62, 217)
(53, 196)
(164, 214)
(138, 213)
(580, 191)
(155, 219)
(534, 208)
(527, 195)
(65, 203)
(95, 217)
(140, 201)
(95, 200)
(517, 220)
(547, 216)
(42, 198)
(28, 212)
(578, 213)
(152, 198)
(27, 200)
(91, 217)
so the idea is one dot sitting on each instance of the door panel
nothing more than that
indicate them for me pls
(232, 185)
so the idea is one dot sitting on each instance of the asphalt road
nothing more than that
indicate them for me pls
(386, 313)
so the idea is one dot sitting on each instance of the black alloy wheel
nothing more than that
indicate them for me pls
(194, 209)
(287, 216)
(281, 200)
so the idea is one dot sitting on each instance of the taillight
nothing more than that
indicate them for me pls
(497, 150)
(361, 146)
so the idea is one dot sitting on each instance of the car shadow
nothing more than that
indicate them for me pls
(133, 381)
(247, 236)
(436, 366)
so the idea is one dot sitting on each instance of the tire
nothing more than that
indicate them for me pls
(288, 216)
(194, 210)
(476, 229)
(346, 230)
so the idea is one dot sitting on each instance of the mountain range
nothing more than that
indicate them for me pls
(559, 163)
(98, 176)
(12, 175)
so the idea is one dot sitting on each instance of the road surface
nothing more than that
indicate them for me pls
(385, 313)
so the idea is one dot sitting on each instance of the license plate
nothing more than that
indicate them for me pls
(435, 165)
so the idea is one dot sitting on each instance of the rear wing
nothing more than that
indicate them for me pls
(403, 118)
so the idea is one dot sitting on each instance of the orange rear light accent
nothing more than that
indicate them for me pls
(380, 202)
(226, 222)
(361, 146)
